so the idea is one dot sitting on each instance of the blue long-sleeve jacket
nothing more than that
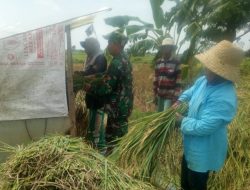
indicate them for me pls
(211, 109)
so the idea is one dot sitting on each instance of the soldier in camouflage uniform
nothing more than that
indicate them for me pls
(117, 87)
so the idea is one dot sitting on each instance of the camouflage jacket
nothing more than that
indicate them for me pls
(117, 87)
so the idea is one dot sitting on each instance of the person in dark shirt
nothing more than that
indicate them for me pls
(95, 61)
(95, 66)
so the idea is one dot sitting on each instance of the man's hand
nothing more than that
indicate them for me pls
(86, 87)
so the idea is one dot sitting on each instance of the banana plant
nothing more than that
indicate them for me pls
(199, 23)
(205, 22)
(143, 36)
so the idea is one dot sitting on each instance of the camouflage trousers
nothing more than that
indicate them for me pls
(116, 128)
(96, 129)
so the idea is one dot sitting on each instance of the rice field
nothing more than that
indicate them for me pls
(165, 170)
(236, 173)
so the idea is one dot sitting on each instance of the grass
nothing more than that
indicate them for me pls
(78, 56)
(147, 59)
(137, 113)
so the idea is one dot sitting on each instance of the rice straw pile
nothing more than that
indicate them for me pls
(139, 151)
(62, 163)
(81, 114)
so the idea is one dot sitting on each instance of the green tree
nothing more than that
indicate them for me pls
(199, 23)
(142, 36)
(225, 21)
(204, 22)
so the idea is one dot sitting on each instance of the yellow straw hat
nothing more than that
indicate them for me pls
(223, 59)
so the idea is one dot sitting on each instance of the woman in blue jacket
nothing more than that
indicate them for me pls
(212, 106)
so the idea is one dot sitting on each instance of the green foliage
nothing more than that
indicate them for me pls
(78, 56)
(205, 22)
(224, 21)
(143, 36)
(132, 29)
(122, 21)
(158, 13)
(147, 59)
(202, 22)
(208, 20)
(138, 114)
(138, 36)
(245, 67)
(140, 48)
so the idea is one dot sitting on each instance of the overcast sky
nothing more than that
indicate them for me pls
(22, 15)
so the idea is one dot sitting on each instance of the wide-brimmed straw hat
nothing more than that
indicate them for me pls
(223, 59)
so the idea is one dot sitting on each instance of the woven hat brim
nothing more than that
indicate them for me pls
(226, 71)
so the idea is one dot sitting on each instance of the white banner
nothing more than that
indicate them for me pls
(32, 75)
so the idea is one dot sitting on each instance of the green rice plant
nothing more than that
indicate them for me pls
(138, 152)
(62, 163)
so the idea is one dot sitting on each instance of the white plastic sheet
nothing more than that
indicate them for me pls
(32, 74)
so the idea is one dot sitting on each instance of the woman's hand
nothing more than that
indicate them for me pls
(176, 104)
(179, 119)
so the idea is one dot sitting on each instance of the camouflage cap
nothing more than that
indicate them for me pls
(118, 37)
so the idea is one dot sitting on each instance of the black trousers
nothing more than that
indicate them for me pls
(191, 180)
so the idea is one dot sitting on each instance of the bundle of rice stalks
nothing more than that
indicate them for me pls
(81, 114)
(62, 163)
(78, 81)
(139, 151)
(167, 170)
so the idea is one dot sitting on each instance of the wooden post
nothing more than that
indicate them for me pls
(69, 83)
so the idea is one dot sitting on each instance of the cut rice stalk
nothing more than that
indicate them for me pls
(138, 151)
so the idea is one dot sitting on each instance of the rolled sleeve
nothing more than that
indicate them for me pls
(214, 115)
